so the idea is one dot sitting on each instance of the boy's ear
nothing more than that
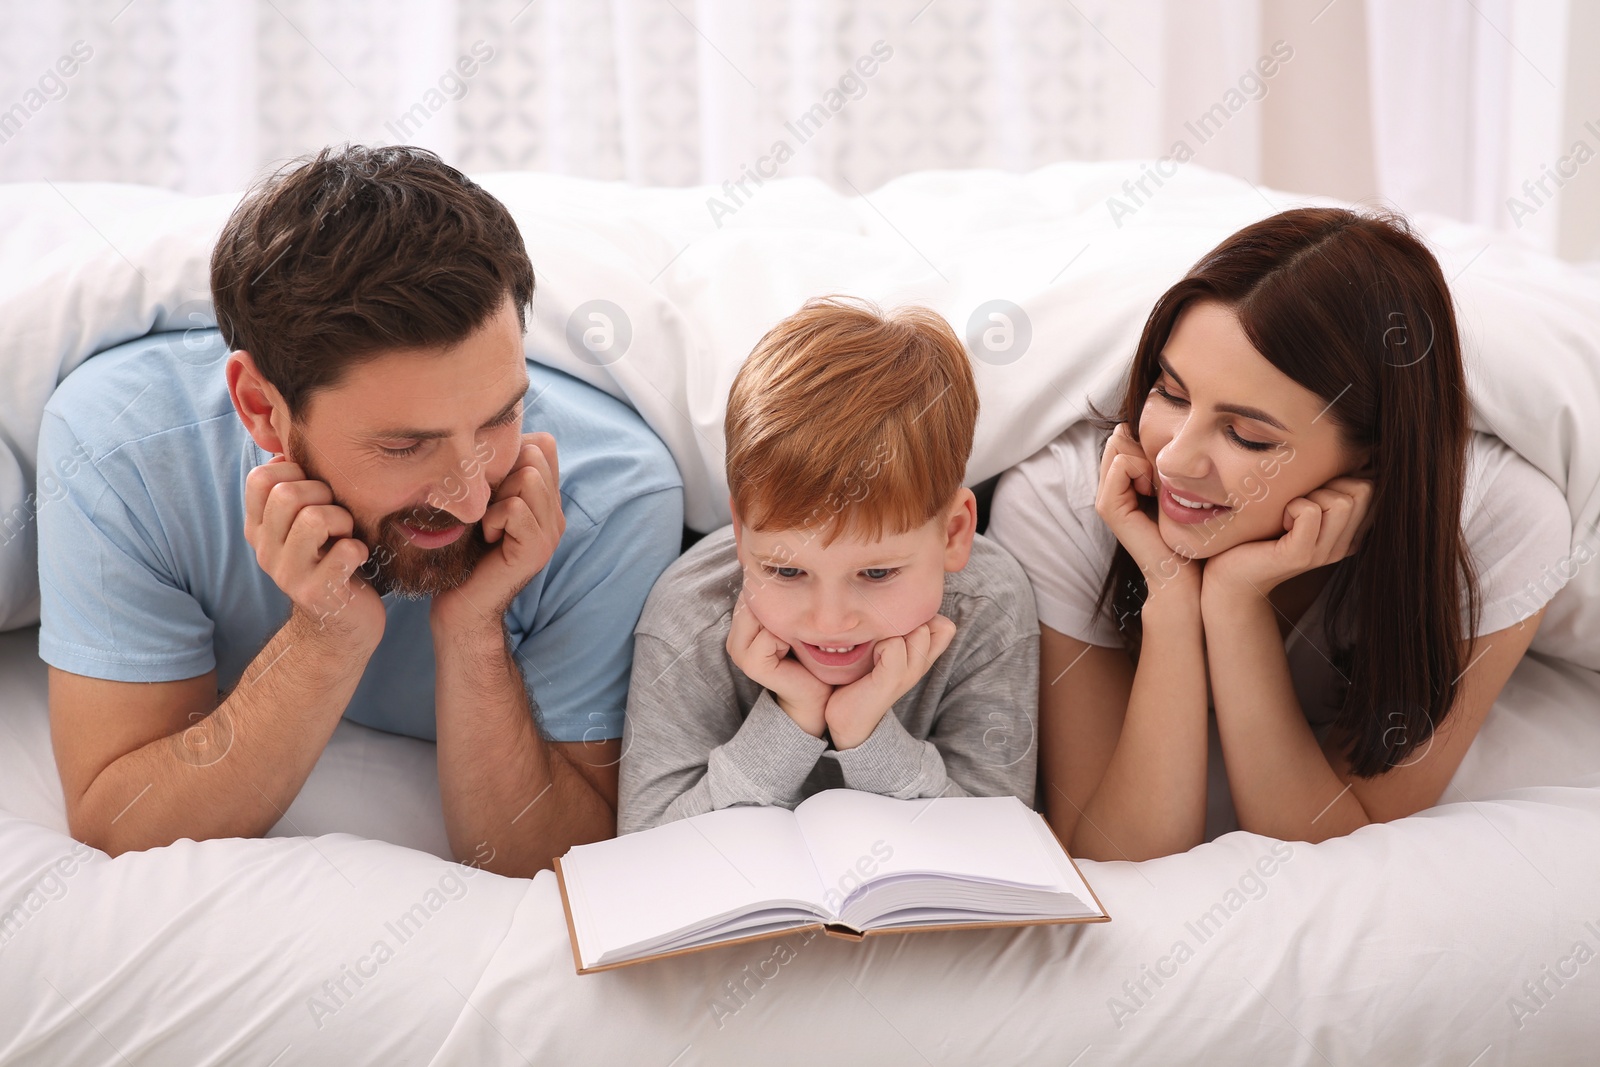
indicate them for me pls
(961, 524)
(733, 512)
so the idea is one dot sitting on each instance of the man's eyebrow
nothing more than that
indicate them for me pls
(432, 435)
(1233, 409)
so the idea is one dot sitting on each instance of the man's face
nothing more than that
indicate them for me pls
(413, 444)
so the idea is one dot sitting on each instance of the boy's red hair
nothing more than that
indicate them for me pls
(844, 419)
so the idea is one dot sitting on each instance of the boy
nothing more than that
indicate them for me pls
(850, 627)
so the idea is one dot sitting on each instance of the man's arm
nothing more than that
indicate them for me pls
(144, 764)
(509, 795)
(510, 792)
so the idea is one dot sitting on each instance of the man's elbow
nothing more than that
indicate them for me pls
(509, 865)
(97, 831)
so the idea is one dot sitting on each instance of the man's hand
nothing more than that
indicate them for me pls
(765, 659)
(288, 520)
(854, 710)
(1322, 527)
(524, 523)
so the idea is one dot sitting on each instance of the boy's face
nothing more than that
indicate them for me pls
(853, 593)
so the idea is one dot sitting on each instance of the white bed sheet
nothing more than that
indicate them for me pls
(1403, 943)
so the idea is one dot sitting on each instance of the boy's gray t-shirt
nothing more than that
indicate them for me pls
(701, 735)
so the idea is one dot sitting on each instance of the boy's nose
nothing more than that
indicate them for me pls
(833, 615)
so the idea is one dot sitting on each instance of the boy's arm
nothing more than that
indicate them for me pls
(982, 743)
(686, 750)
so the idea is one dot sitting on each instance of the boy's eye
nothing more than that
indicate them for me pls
(880, 574)
(782, 572)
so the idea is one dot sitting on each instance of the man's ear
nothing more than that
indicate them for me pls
(961, 525)
(260, 406)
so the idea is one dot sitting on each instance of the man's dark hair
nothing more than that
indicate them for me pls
(333, 259)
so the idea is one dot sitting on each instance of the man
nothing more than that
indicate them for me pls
(348, 501)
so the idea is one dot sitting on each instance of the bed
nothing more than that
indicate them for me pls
(1466, 935)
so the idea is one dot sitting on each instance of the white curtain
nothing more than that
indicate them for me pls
(1440, 106)
(1474, 118)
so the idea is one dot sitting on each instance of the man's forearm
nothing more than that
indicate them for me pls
(234, 772)
(507, 793)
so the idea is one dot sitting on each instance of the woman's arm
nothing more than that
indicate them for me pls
(1124, 749)
(1287, 786)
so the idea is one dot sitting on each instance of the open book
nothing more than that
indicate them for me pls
(852, 862)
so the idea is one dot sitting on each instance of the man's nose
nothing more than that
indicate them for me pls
(463, 491)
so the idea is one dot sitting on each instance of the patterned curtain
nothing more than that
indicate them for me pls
(1484, 123)
(202, 96)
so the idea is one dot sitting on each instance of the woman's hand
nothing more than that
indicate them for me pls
(1126, 474)
(1322, 527)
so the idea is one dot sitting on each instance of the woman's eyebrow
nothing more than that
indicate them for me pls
(1233, 409)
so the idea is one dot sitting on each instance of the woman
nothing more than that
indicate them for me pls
(1291, 527)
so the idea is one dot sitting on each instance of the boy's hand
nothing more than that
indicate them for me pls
(854, 710)
(524, 523)
(758, 652)
(307, 545)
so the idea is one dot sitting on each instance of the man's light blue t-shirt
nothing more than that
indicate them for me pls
(146, 575)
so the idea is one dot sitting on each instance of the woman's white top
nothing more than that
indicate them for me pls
(1518, 530)
(1517, 525)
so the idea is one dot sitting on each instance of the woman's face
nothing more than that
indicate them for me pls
(1225, 428)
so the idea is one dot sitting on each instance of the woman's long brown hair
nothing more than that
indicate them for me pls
(1354, 308)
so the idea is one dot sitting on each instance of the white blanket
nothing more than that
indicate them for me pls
(1405, 943)
(1467, 935)
(696, 296)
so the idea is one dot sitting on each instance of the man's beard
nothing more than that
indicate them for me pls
(394, 563)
